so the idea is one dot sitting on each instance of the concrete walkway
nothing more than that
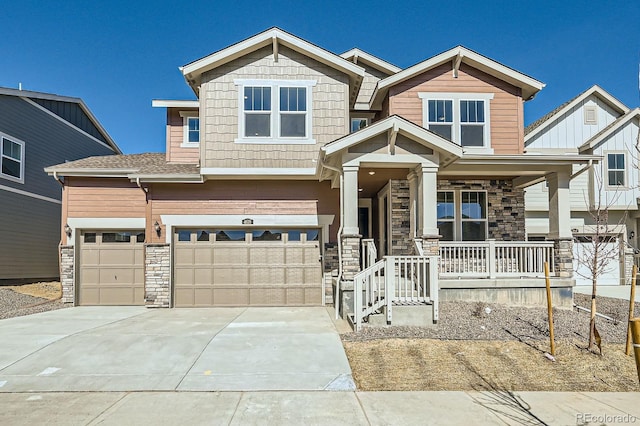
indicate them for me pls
(90, 349)
(320, 408)
(614, 291)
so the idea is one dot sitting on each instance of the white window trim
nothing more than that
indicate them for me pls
(368, 116)
(456, 98)
(606, 171)
(457, 213)
(185, 129)
(22, 144)
(275, 111)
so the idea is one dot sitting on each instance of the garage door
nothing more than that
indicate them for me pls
(111, 268)
(262, 267)
(611, 271)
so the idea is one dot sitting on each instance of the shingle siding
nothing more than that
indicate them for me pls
(219, 95)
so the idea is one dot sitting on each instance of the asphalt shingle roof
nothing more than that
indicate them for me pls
(145, 164)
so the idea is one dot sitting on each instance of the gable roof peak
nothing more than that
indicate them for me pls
(457, 55)
(359, 55)
(543, 122)
(273, 36)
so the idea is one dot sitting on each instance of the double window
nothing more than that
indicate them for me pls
(616, 169)
(12, 159)
(462, 215)
(274, 111)
(462, 118)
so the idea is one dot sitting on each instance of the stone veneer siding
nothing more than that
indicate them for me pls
(350, 256)
(563, 258)
(331, 265)
(67, 273)
(628, 265)
(505, 205)
(157, 275)
(401, 242)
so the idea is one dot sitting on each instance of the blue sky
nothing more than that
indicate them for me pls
(119, 55)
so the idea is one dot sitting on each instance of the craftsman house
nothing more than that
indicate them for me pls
(298, 176)
(38, 130)
(594, 122)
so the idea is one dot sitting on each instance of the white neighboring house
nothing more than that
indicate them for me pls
(594, 122)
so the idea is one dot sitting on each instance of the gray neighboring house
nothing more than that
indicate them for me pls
(38, 130)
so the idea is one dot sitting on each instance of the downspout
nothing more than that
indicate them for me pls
(55, 176)
(336, 298)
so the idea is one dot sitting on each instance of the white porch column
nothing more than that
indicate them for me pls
(413, 202)
(559, 205)
(559, 222)
(427, 201)
(350, 201)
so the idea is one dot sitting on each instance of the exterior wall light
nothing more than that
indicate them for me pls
(157, 227)
(67, 230)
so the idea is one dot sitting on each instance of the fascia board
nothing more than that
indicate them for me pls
(162, 103)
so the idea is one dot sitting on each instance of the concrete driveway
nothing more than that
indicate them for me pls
(139, 349)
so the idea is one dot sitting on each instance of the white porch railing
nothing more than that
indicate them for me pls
(495, 259)
(395, 279)
(369, 253)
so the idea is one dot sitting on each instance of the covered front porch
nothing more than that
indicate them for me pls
(422, 221)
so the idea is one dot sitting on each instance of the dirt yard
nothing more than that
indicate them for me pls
(503, 350)
(27, 299)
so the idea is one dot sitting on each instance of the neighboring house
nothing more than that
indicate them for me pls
(594, 122)
(36, 131)
(297, 172)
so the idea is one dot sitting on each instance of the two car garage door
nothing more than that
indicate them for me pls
(262, 267)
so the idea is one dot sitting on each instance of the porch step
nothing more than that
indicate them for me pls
(415, 315)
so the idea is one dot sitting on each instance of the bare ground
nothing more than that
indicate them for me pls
(503, 349)
(26, 299)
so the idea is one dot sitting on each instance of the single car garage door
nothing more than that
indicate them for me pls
(262, 267)
(111, 268)
(583, 250)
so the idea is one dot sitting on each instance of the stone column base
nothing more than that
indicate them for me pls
(563, 258)
(350, 256)
(67, 273)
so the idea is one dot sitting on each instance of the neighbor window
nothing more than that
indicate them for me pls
(462, 215)
(191, 129)
(12, 159)
(275, 111)
(615, 169)
(462, 118)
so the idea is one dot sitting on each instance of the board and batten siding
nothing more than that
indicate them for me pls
(30, 235)
(537, 196)
(175, 137)
(243, 198)
(569, 131)
(219, 98)
(506, 109)
(47, 141)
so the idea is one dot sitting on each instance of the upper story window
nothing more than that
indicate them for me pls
(616, 169)
(191, 129)
(462, 118)
(462, 215)
(358, 123)
(12, 159)
(275, 111)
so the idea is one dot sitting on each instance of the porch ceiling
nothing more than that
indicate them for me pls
(371, 180)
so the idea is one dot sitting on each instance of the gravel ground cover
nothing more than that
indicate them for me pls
(15, 304)
(486, 321)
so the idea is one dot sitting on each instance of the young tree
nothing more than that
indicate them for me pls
(600, 247)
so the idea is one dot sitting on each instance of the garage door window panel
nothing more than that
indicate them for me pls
(116, 237)
(89, 237)
(230, 235)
